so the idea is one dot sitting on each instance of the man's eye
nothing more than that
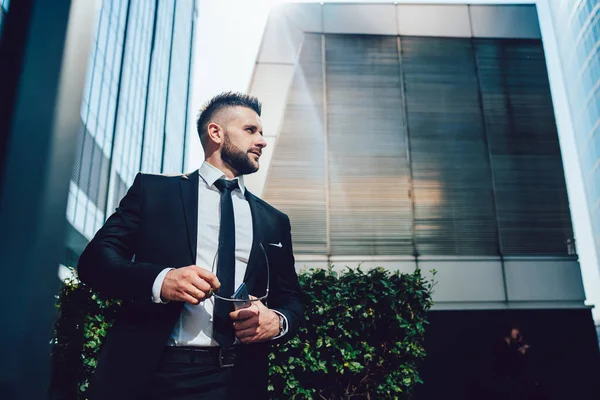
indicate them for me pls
(249, 130)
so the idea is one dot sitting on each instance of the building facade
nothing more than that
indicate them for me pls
(577, 26)
(3, 10)
(409, 144)
(134, 109)
(425, 136)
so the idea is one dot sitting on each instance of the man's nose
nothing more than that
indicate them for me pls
(261, 143)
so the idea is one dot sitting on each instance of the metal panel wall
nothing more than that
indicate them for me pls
(428, 146)
(454, 205)
(370, 208)
(297, 178)
(531, 196)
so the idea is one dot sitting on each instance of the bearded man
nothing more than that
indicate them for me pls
(174, 252)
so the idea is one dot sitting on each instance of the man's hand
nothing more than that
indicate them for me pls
(255, 323)
(191, 284)
(523, 349)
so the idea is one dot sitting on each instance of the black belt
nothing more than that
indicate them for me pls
(216, 356)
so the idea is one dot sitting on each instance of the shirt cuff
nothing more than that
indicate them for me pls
(285, 325)
(157, 286)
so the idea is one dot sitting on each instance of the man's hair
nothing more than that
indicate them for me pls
(221, 101)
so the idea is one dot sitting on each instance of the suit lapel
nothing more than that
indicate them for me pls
(258, 229)
(188, 186)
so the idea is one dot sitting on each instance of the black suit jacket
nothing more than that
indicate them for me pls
(156, 226)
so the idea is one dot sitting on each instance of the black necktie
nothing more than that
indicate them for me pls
(223, 328)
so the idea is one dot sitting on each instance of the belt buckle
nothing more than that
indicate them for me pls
(226, 357)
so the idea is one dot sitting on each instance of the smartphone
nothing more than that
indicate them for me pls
(241, 294)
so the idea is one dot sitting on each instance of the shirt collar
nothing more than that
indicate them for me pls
(210, 174)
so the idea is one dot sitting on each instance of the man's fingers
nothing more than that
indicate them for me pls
(189, 299)
(246, 333)
(195, 292)
(201, 284)
(209, 277)
(244, 313)
(245, 324)
(191, 284)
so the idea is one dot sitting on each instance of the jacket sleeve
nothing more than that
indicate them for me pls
(106, 263)
(286, 295)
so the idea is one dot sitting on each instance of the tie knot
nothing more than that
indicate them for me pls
(225, 185)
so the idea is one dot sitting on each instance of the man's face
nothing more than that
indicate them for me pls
(243, 141)
(514, 334)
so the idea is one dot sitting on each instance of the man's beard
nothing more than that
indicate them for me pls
(236, 158)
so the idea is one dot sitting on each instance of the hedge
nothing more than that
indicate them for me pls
(362, 337)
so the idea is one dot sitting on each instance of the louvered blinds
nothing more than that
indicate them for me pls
(533, 209)
(370, 210)
(454, 208)
(420, 145)
(296, 179)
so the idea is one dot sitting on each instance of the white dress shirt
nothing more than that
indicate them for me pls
(195, 324)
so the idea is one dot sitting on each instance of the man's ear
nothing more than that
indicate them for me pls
(215, 133)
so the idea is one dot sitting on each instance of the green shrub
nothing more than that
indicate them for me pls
(362, 337)
(83, 318)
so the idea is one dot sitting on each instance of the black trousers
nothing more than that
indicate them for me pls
(186, 374)
(191, 382)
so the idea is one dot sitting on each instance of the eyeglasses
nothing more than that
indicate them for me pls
(246, 300)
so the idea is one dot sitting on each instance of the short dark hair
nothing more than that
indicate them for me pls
(221, 101)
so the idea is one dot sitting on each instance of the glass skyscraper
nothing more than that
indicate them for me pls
(577, 26)
(134, 108)
(3, 10)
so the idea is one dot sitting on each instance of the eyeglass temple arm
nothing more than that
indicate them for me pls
(268, 268)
